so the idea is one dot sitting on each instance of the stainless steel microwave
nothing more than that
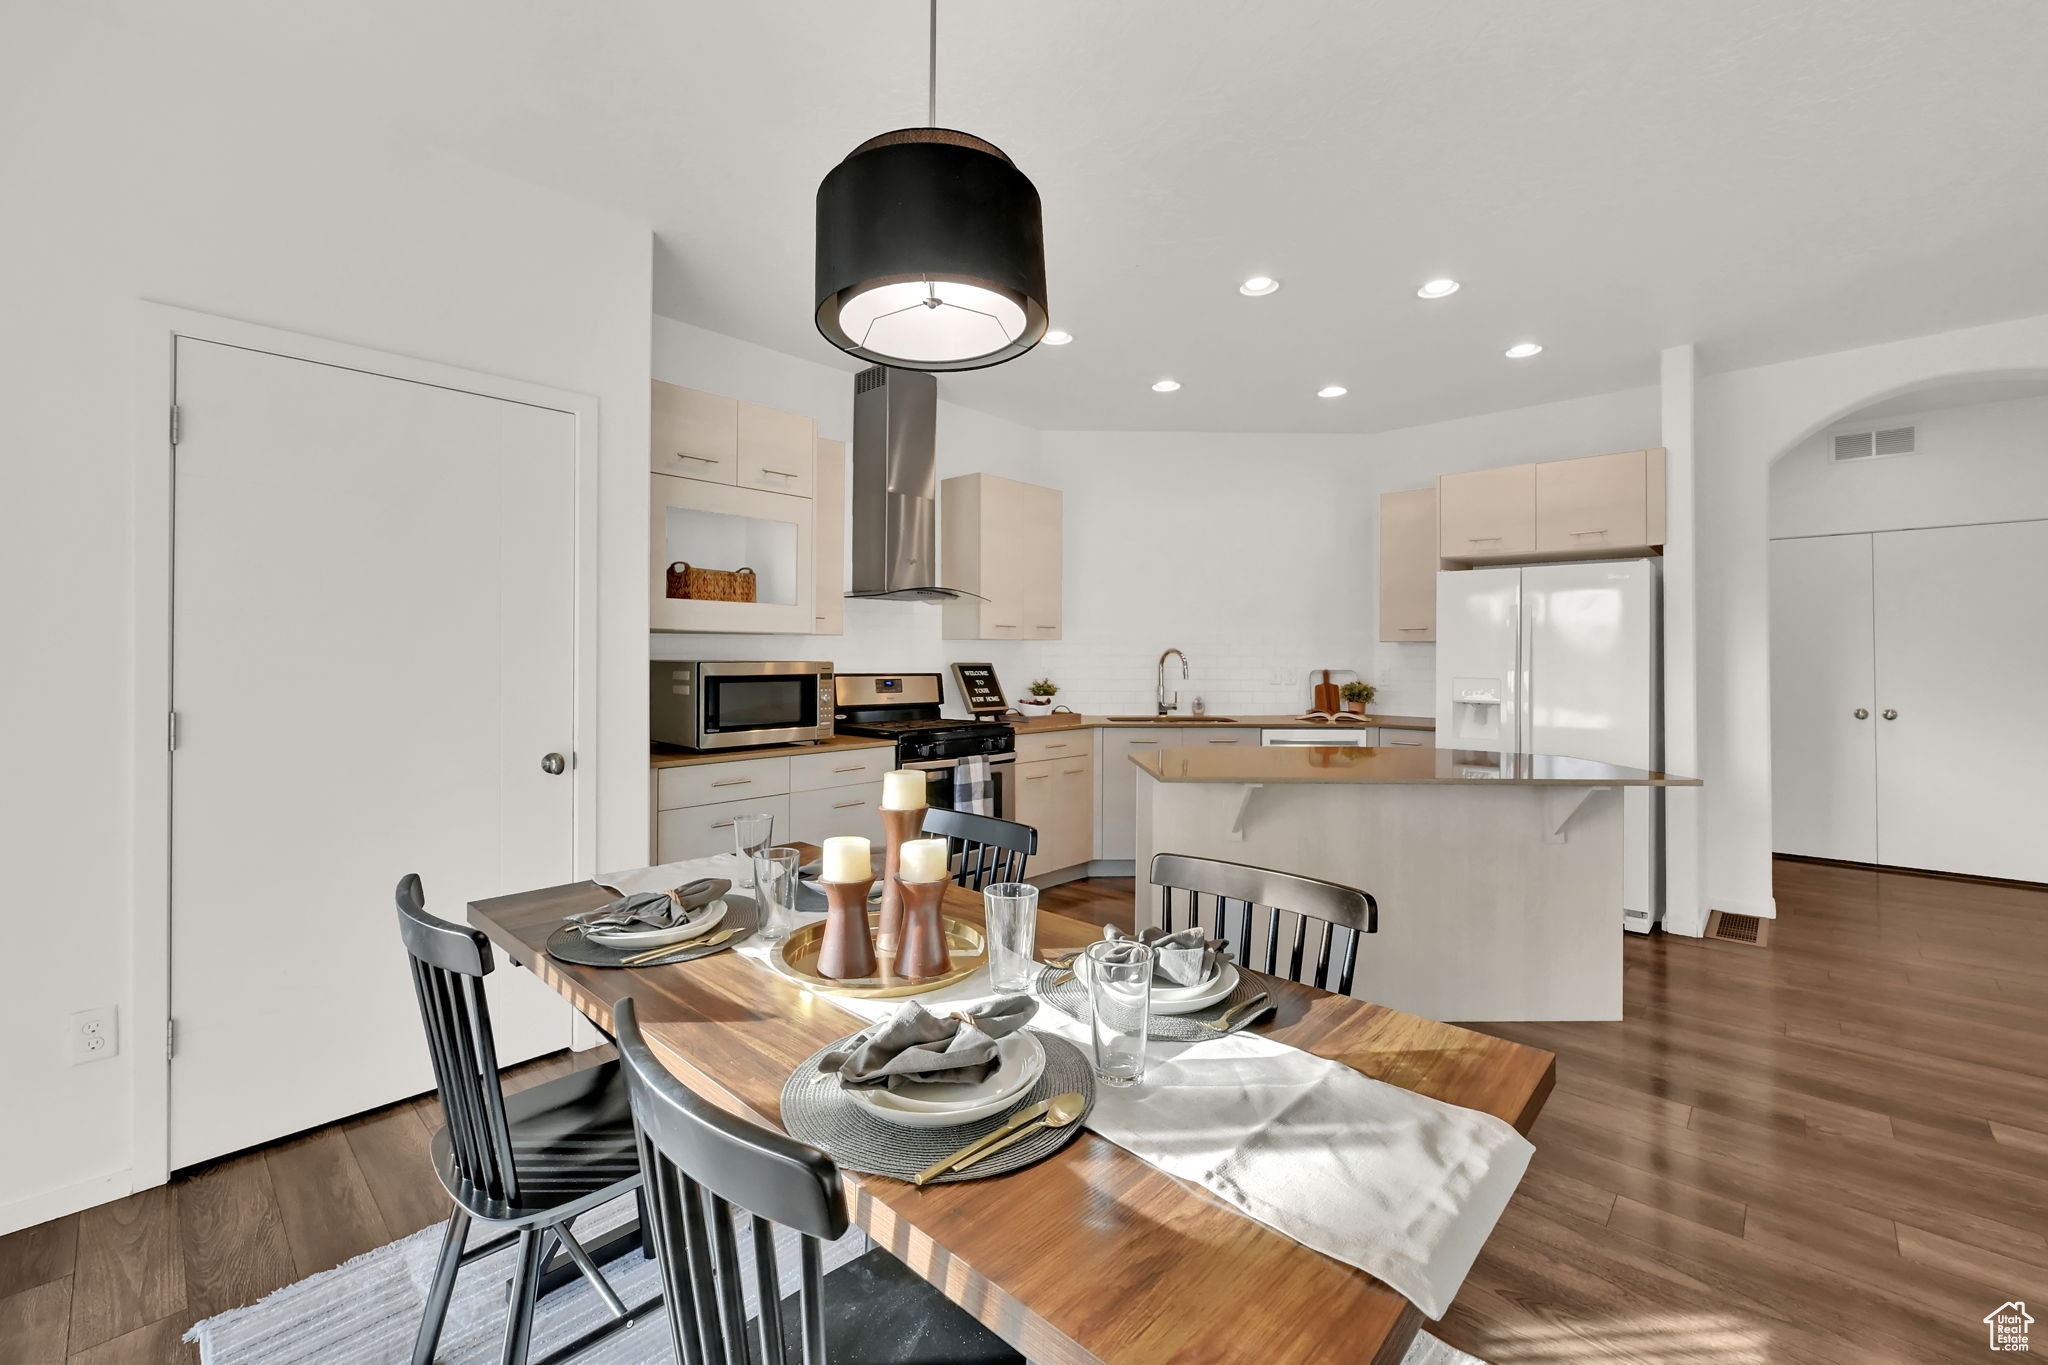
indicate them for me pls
(732, 704)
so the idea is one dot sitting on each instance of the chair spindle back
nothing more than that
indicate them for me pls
(1282, 894)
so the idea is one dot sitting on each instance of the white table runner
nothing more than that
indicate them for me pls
(1398, 1184)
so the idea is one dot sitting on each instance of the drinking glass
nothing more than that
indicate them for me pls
(1120, 1001)
(1010, 910)
(751, 834)
(775, 893)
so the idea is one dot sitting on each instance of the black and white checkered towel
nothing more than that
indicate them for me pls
(974, 786)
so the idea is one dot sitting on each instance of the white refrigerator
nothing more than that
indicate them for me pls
(1562, 659)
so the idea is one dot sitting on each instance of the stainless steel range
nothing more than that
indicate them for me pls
(905, 707)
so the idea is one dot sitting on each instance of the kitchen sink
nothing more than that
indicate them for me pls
(1174, 720)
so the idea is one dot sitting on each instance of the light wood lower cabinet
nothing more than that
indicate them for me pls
(700, 831)
(815, 816)
(1408, 565)
(1116, 785)
(1406, 739)
(1056, 796)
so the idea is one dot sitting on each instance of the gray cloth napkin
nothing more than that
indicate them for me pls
(656, 909)
(1184, 958)
(916, 1047)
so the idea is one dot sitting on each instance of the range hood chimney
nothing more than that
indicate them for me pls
(895, 486)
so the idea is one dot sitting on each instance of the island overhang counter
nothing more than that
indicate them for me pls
(1498, 876)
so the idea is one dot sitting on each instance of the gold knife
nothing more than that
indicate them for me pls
(644, 959)
(1030, 1113)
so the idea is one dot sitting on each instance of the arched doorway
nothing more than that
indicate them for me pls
(1908, 602)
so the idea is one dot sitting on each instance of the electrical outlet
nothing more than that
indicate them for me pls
(93, 1035)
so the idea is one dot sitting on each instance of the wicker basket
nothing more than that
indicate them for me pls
(710, 585)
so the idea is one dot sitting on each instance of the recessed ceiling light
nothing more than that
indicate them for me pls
(1258, 286)
(1166, 386)
(1437, 289)
(1523, 350)
(1057, 338)
(1332, 391)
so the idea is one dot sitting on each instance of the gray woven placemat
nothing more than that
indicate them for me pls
(816, 1110)
(569, 945)
(1070, 998)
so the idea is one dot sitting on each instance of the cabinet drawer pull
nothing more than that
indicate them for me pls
(723, 824)
(734, 782)
(856, 768)
(1136, 742)
(703, 459)
(1480, 540)
(1414, 628)
(842, 805)
(1036, 777)
(1045, 627)
(1055, 746)
(1226, 741)
(1601, 532)
(1004, 625)
(1075, 772)
(779, 473)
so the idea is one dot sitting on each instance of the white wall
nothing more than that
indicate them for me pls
(1258, 555)
(1747, 418)
(1984, 462)
(134, 172)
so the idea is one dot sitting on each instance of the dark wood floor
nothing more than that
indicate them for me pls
(1834, 1149)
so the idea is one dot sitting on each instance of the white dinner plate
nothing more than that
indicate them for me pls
(1023, 1062)
(1188, 999)
(656, 938)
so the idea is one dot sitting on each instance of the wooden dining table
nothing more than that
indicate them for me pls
(1092, 1255)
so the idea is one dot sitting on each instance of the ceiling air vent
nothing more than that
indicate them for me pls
(1871, 445)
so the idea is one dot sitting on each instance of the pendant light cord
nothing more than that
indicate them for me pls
(931, 102)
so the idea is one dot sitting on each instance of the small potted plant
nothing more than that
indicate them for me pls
(1042, 692)
(1357, 696)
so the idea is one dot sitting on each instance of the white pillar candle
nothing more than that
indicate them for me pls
(903, 790)
(847, 859)
(922, 860)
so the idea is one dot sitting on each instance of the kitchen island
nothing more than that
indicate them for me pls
(1498, 876)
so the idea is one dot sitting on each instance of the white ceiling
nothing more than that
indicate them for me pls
(1768, 178)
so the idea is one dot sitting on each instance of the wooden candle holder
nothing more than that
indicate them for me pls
(848, 951)
(898, 827)
(921, 950)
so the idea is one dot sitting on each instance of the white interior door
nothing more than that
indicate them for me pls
(373, 647)
(1962, 650)
(1823, 755)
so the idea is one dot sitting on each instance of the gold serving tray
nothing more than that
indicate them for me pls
(798, 955)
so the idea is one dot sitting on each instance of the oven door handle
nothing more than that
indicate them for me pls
(935, 764)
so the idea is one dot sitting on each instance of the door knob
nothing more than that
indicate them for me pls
(1862, 713)
(1890, 714)
(554, 765)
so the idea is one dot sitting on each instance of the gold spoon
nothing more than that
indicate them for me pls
(1059, 1112)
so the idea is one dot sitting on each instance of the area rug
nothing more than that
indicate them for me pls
(366, 1311)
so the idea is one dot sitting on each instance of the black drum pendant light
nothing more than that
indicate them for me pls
(931, 250)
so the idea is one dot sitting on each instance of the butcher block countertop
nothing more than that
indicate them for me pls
(1369, 766)
(1074, 721)
(668, 756)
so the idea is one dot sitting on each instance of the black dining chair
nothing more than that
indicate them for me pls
(982, 848)
(703, 1167)
(1240, 885)
(526, 1163)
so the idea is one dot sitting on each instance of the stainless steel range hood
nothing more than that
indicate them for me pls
(895, 486)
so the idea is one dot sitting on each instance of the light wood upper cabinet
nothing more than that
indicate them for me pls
(775, 451)
(1001, 542)
(1600, 504)
(1408, 565)
(828, 513)
(694, 435)
(1487, 514)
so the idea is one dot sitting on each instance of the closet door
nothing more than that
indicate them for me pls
(1823, 755)
(1962, 648)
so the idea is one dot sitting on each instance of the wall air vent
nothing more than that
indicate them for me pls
(1872, 445)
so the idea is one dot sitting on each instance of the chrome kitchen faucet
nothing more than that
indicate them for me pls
(1165, 708)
